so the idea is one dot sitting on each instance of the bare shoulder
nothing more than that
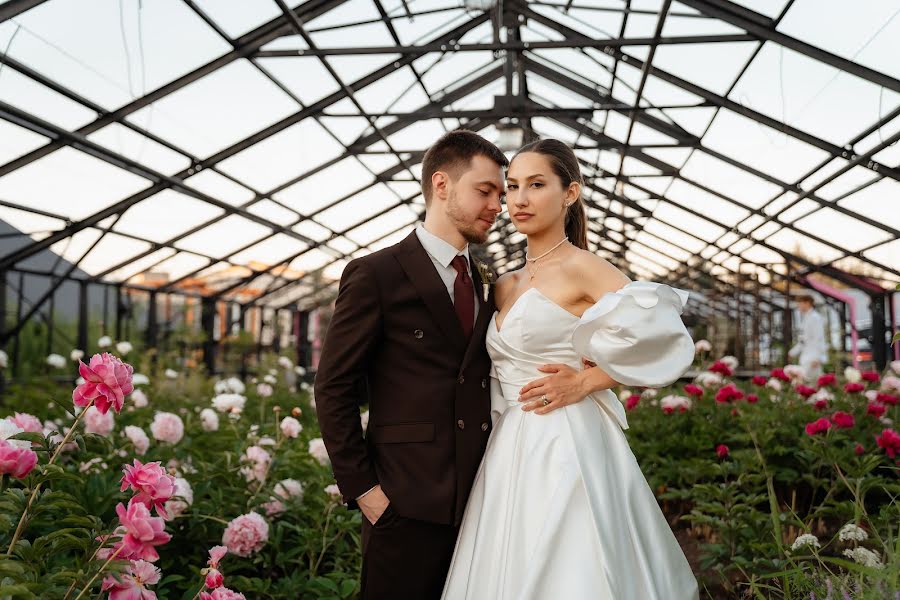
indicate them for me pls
(595, 274)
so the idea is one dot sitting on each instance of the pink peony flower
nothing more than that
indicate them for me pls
(842, 420)
(151, 485)
(214, 579)
(291, 427)
(222, 593)
(264, 390)
(818, 426)
(138, 438)
(256, 463)
(633, 401)
(139, 533)
(805, 390)
(692, 389)
(107, 380)
(130, 585)
(318, 451)
(870, 376)
(852, 388)
(273, 508)
(15, 461)
(246, 534)
(758, 380)
(139, 398)
(216, 554)
(722, 451)
(779, 374)
(826, 380)
(890, 441)
(167, 427)
(96, 421)
(721, 368)
(26, 422)
(875, 409)
(752, 398)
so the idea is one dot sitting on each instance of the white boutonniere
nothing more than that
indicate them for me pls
(487, 279)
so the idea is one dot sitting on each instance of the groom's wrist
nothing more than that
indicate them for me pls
(366, 492)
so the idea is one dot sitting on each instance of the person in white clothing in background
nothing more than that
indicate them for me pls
(811, 349)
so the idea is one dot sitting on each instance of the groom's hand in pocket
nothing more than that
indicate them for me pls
(373, 504)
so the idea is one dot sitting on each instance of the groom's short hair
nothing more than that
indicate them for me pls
(453, 153)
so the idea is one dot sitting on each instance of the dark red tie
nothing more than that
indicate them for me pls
(463, 295)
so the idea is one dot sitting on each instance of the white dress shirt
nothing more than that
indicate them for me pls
(442, 254)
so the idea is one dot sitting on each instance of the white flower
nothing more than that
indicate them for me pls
(889, 383)
(624, 396)
(56, 361)
(228, 402)
(795, 372)
(284, 362)
(139, 398)
(806, 539)
(256, 462)
(140, 379)
(124, 348)
(649, 393)
(265, 441)
(9, 429)
(865, 557)
(232, 385)
(94, 462)
(333, 491)
(271, 379)
(171, 374)
(364, 421)
(289, 488)
(702, 346)
(167, 427)
(871, 395)
(291, 427)
(273, 372)
(674, 403)
(183, 498)
(97, 422)
(708, 379)
(731, 361)
(306, 387)
(264, 390)
(895, 366)
(852, 532)
(852, 375)
(209, 420)
(139, 438)
(4, 359)
(301, 371)
(104, 342)
(774, 384)
(318, 451)
(76, 355)
(821, 394)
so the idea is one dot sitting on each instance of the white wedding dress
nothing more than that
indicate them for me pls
(559, 507)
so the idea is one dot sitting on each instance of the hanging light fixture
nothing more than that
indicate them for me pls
(479, 4)
(511, 136)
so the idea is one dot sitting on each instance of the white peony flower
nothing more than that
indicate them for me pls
(228, 402)
(852, 375)
(139, 438)
(209, 420)
(889, 383)
(289, 488)
(4, 359)
(895, 366)
(270, 379)
(291, 427)
(852, 532)
(284, 362)
(56, 361)
(232, 385)
(333, 491)
(104, 342)
(806, 539)
(318, 451)
(139, 398)
(774, 384)
(140, 379)
(702, 346)
(9, 429)
(183, 498)
(301, 371)
(865, 557)
(795, 372)
(708, 379)
(649, 393)
(76, 355)
(171, 374)
(731, 361)
(675, 403)
(124, 348)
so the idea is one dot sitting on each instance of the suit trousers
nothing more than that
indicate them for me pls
(405, 559)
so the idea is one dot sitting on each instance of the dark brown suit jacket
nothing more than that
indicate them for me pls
(428, 390)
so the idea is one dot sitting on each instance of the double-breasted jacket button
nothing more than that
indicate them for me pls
(418, 333)
(484, 382)
(461, 379)
(484, 426)
(461, 424)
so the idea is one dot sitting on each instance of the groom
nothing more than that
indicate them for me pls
(408, 338)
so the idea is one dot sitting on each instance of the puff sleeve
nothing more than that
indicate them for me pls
(636, 334)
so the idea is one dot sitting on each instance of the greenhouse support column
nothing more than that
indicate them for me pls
(83, 316)
(788, 321)
(243, 321)
(120, 309)
(3, 290)
(301, 331)
(208, 323)
(276, 332)
(151, 321)
(739, 342)
(757, 317)
(879, 344)
(20, 303)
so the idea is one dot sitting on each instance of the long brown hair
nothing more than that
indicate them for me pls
(565, 164)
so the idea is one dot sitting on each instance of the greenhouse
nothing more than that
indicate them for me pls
(226, 226)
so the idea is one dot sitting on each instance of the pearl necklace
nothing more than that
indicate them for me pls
(537, 258)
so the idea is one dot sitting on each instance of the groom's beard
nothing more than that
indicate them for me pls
(464, 225)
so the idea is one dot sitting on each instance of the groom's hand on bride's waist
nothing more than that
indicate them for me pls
(373, 504)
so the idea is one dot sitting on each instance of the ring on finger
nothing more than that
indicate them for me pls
(544, 400)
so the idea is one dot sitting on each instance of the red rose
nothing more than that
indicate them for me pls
(722, 450)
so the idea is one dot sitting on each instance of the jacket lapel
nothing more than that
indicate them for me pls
(424, 277)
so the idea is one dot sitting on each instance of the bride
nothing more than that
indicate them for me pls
(559, 507)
